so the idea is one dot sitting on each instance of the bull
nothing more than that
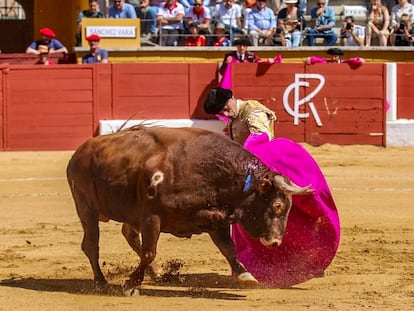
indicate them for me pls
(181, 181)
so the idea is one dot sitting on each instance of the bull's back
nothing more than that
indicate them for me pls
(112, 172)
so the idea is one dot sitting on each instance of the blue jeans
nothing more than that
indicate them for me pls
(328, 36)
(152, 14)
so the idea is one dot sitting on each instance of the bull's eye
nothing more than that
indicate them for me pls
(278, 209)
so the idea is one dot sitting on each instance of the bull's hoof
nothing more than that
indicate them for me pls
(131, 290)
(155, 271)
(247, 279)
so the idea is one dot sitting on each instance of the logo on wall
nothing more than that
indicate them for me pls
(301, 81)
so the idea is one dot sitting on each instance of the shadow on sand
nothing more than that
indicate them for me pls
(210, 285)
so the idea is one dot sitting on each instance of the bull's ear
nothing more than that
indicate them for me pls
(264, 186)
(289, 186)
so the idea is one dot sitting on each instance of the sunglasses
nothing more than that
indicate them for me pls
(118, 1)
(321, 3)
(197, 4)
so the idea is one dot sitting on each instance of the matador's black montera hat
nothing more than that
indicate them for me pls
(216, 100)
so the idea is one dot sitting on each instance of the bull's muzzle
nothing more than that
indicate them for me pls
(271, 242)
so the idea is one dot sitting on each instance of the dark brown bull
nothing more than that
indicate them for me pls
(180, 181)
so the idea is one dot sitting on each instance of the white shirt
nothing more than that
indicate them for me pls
(359, 32)
(397, 11)
(191, 15)
(165, 12)
(228, 17)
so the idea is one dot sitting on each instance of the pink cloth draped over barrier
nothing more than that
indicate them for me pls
(225, 81)
(313, 231)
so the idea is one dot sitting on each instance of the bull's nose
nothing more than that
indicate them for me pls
(271, 242)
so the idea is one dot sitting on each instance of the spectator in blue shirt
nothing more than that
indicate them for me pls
(96, 54)
(120, 9)
(261, 23)
(48, 39)
(323, 22)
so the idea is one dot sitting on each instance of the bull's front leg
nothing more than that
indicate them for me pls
(221, 238)
(150, 234)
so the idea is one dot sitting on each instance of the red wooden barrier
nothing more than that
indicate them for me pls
(58, 107)
(348, 103)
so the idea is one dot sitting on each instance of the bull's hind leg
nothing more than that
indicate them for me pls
(90, 243)
(133, 238)
(150, 234)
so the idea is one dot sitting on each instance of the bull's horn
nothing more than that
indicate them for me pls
(287, 185)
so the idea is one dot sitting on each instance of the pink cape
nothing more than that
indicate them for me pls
(312, 235)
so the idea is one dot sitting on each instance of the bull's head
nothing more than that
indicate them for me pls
(266, 211)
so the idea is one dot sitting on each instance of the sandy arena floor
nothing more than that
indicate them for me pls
(43, 268)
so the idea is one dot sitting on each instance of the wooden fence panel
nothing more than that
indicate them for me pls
(405, 89)
(350, 105)
(49, 107)
(150, 91)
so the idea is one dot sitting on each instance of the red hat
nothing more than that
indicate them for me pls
(47, 32)
(93, 37)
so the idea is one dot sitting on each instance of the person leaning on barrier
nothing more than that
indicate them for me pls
(91, 12)
(335, 58)
(352, 34)
(261, 24)
(322, 24)
(378, 22)
(48, 39)
(241, 55)
(95, 54)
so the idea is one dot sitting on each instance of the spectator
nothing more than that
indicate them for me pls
(241, 55)
(276, 6)
(403, 7)
(220, 38)
(48, 39)
(187, 4)
(44, 56)
(351, 34)
(335, 57)
(147, 12)
(195, 38)
(405, 32)
(323, 22)
(262, 24)
(96, 54)
(246, 9)
(92, 12)
(200, 15)
(279, 38)
(120, 9)
(290, 19)
(378, 21)
(170, 18)
(229, 14)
